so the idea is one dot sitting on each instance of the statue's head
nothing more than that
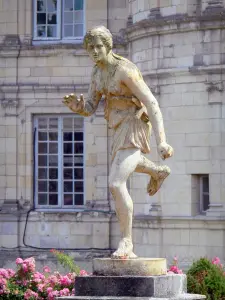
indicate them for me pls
(98, 42)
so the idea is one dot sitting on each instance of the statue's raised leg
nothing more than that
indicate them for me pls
(158, 174)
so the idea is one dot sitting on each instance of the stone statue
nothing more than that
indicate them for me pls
(131, 110)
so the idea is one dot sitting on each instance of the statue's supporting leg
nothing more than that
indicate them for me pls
(158, 173)
(124, 164)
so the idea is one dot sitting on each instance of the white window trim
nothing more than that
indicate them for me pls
(60, 207)
(202, 193)
(59, 39)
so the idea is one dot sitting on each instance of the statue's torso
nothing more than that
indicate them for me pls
(119, 100)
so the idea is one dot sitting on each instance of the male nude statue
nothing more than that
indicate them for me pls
(131, 110)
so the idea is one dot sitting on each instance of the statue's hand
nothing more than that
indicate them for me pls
(73, 102)
(165, 150)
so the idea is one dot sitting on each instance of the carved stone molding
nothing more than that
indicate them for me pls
(214, 7)
(217, 86)
(161, 24)
(154, 13)
(9, 103)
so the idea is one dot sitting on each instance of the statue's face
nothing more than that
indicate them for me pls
(97, 50)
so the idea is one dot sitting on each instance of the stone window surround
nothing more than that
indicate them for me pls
(60, 167)
(27, 170)
(59, 38)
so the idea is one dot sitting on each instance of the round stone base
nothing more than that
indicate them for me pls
(137, 266)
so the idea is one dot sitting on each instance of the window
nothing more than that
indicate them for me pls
(58, 19)
(59, 161)
(204, 193)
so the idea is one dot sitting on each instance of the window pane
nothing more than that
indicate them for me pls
(67, 136)
(68, 161)
(53, 147)
(53, 160)
(78, 160)
(53, 136)
(53, 122)
(68, 18)
(42, 199)
(205, 202)
(68, 123)
(78, 4)
(41, 5)
(42, 173)
(51, 31)
(41, 18)
(42, 136)
(78, 17)
(205, 180)
(68, 148)
(68, 186)
(68, 199)
(52, 5)
(78, 174)
(53, 186)
(68, 4)
(53, 199)
(52, 19)
(78, 186)
(42, 186)
(68, 30)
(78, 136)
(53, 173)
(41, 31)
(78, 123)
(42, 147)
(79, 199)
(42, 160)
(43, 123)
(78, 30)
(78, 147)
(68, 173)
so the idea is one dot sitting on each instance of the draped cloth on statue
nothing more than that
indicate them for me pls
(129, 120)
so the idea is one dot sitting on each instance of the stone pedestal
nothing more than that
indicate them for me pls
(133, 267)
(131, 279)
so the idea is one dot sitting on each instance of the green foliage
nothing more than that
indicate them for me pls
(66, 261)
(207, 278)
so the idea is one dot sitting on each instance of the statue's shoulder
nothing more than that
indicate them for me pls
(128, 67)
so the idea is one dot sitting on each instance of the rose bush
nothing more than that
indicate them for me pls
(27, 283)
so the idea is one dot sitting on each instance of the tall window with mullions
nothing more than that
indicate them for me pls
(59, 161)
(58, 19)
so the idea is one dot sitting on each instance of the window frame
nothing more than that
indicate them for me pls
(60, 206)
(59, 37)
(202, 193)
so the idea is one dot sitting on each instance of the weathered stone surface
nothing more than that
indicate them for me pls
(170, 285)
(139, 266)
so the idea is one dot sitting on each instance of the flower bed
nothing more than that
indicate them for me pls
(26, 283)
(204, 277)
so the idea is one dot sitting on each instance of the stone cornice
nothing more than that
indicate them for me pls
(42, 88)
(174, 23)
(196, 70)
(12, 46)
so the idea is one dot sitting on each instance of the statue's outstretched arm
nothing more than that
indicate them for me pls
(80, 105)
(134, 81)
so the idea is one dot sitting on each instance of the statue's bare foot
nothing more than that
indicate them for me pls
(125, 249)
(155, 183)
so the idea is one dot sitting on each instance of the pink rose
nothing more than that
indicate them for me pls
(83, 273)
(46, 269)
(19, 261)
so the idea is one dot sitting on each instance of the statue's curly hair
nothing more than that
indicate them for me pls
(104, 34)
